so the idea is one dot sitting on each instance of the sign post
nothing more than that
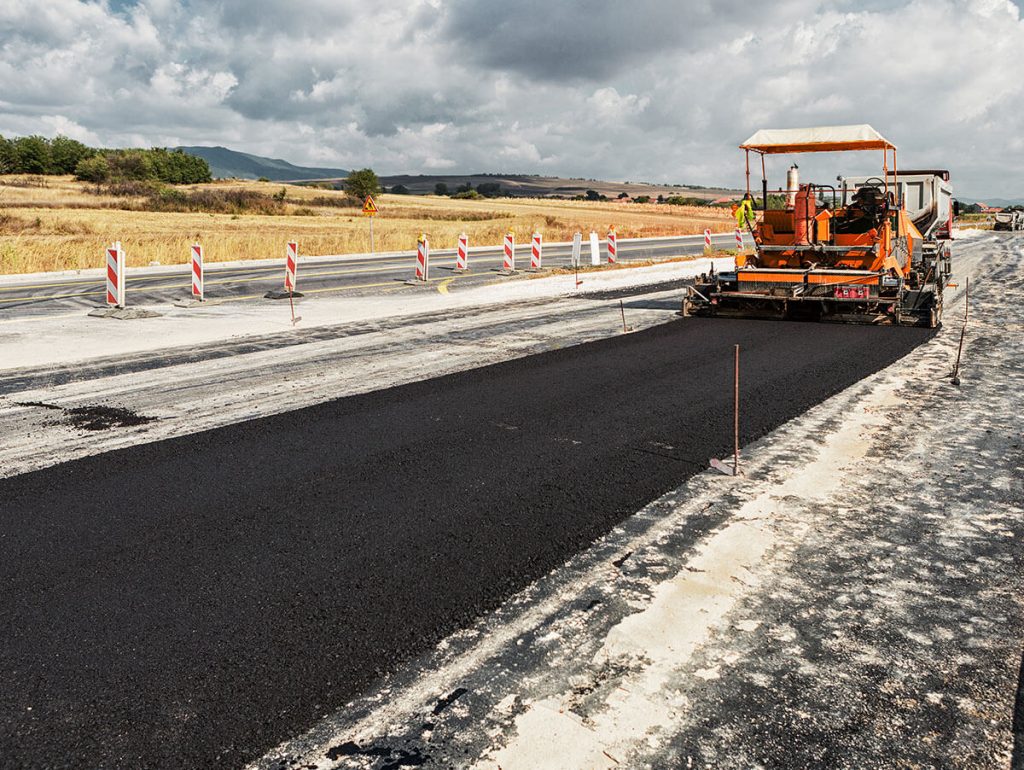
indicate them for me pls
(370, 210)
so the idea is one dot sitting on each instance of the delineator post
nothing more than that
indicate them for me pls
(536, 252)
(509, 263)
(423, 258)
(462, 254)
(197, 272)
(291, 267)
(115, 275)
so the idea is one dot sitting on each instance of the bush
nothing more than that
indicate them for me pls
(642, 199)
(467, 195)
(335, 201)
(130, 188)
(440, 189)
(133, 165)
(679, 200)
(94, 169)
(177, 167)
(400, 189)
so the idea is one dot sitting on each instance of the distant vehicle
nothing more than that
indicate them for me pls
(1009, 221)
(851, 253)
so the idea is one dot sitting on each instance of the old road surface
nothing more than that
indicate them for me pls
(193, 602)
(361, 274)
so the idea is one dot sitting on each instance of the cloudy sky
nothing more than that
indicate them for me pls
(641, 90)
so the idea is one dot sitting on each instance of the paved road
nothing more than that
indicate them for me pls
(385, 273)
(192, 602)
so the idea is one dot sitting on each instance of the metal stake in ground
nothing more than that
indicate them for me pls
(719, 465)
(963, 330)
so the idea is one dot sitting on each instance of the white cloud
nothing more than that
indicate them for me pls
(652, 89)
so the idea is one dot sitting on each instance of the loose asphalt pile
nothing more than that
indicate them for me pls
(194, 602)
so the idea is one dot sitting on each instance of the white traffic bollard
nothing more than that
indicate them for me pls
(291, 267)
(462, 254)
(197, 272)
(423, 258)
(509, 264)
(739, 240)
(707, 241)
(613, 247)
(115, 275)
(595, 249)
(536, 252)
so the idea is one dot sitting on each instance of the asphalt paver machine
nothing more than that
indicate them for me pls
(827, 252)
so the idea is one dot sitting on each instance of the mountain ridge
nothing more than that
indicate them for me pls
(226, 164)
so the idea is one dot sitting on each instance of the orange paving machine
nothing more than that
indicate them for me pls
(825, 252)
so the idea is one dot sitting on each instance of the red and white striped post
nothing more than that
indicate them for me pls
(197, 272)
(613, 247)
(509, 266)
(739, 241)
(115, 275)
(422, 258)
(536, 251)
(291, 266)
(707, 241)
(462, 254)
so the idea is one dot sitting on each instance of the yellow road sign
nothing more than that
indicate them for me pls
(369, 207)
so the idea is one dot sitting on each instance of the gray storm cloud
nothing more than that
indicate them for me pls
(652, 90)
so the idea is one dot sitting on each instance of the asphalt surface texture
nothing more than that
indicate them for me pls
(362, 274)
(195, 601)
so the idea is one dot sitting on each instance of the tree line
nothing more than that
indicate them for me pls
(61, 155)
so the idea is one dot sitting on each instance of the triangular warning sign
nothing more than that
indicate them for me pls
(369, 207)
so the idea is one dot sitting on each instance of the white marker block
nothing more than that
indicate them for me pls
(577, 248)
(595, 249)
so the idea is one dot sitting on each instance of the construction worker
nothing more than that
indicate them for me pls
(745, 217)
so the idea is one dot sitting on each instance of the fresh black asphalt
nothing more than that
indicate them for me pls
(195, 601)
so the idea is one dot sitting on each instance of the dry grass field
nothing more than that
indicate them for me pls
(56, 223)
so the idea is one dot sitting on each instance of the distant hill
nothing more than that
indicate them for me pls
(527, 185)
(225, 164)
(998, 201)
